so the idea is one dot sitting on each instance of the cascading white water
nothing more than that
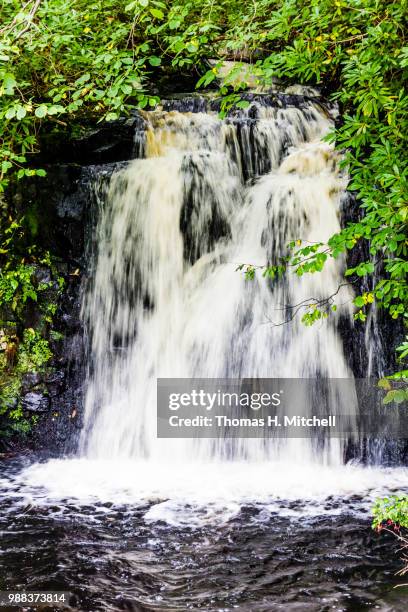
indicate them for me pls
(166, 300)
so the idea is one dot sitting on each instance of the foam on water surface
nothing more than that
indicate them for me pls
(200, 493)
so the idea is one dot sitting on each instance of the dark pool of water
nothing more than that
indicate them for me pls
(110, 558)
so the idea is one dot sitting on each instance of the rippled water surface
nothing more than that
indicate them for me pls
(164, 554)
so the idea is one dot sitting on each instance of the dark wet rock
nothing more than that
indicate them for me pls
(59, 227)
(186, 104)
(200, 103)
(69, 320)
(42, 275)
(273, 100)
(356, 498)
(55, 383)
(35, 402)
(102, 143)
(30, 380)
(68, 208)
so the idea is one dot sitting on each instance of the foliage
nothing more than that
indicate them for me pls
(70, 61)
(32, 355)
(391, 511)
(391, 514)
(396, 384)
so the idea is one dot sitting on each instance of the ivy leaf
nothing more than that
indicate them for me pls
(55, 109)
(5, 166)
(397, 395)
(383, 383)
(83, 79)
(243, 104)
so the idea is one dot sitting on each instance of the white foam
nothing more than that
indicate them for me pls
(199, 493)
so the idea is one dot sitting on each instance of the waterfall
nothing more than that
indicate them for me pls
(165, 299)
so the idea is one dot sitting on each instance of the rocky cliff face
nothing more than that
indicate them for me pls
(61, 202)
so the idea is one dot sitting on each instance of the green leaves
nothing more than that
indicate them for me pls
(242, 104)
(16, 286)
(390, 511)
(396, 395)
(402, 350)
(43, 110)
(362, 269)
(20, 112)
(82, 79)
(359, 302)
(207, 78)
(5, 166)
(315, 314)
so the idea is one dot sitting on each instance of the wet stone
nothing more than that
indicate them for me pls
(30, 380)
(42, 275)
(36, 402)
(55, 383)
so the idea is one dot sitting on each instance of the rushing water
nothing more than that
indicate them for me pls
(181, 524)
(166, 300)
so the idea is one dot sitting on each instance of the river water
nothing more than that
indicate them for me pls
(163, 552)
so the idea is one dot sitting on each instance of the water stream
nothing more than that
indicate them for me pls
(166, 300)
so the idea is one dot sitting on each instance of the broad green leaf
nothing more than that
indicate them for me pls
(154, 61)
(157, 13)
(9, 83)
(41, 111)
